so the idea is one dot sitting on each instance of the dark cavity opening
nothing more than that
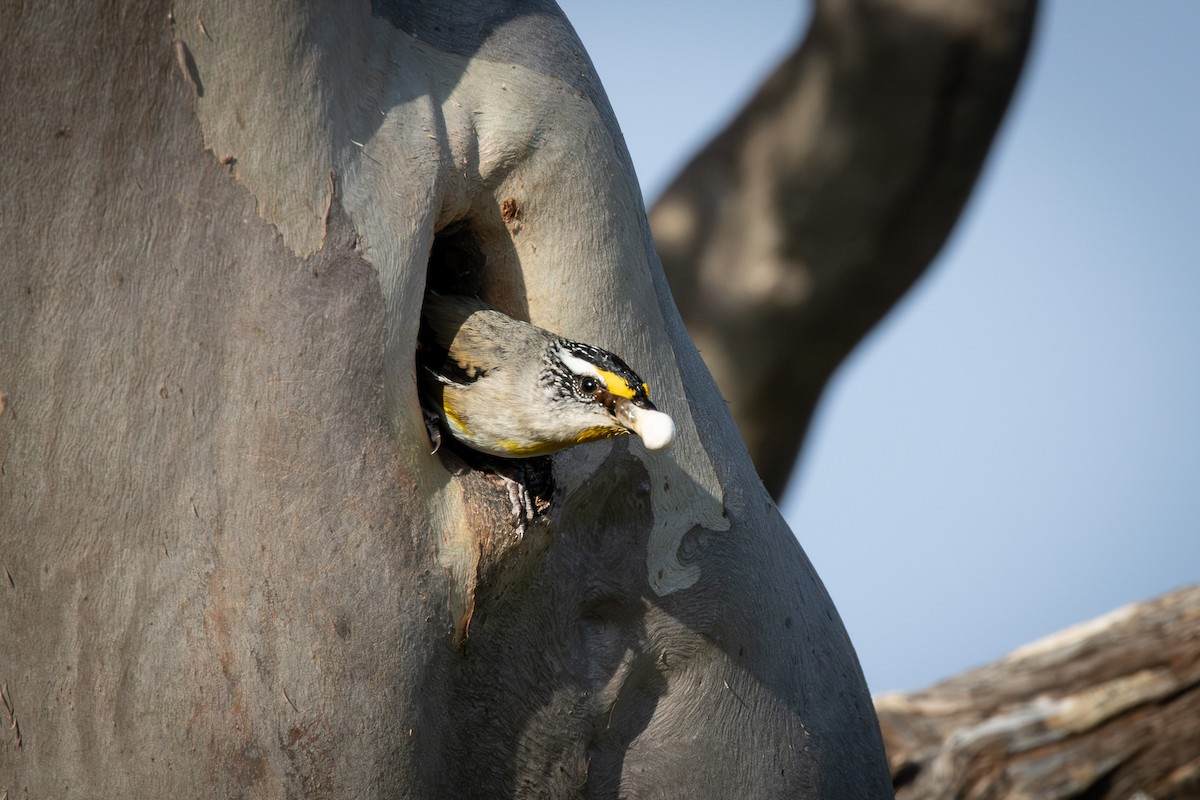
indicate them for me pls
(456, 261)
(457, 265)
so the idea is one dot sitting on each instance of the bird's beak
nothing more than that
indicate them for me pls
(656, 428)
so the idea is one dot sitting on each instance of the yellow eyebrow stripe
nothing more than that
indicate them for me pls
(616, 384)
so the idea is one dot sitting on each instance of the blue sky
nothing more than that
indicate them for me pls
(1017, 447)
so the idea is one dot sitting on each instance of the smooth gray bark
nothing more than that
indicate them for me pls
(231, 566)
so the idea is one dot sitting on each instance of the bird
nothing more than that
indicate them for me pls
(513, 390)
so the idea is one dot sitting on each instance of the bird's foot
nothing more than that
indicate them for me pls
(523, 510)
(433, 426)
(529, 489)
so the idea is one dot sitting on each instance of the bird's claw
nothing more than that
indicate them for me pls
(433, 427)
(522, 504)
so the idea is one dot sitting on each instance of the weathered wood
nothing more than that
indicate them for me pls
(797, 228)
(231, 566)
(1106, 710)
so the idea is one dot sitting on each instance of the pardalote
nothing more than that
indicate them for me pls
(512, 389)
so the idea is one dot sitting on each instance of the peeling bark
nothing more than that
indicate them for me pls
(1106, 710)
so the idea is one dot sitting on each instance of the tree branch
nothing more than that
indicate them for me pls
(1105, 710)
(795, 230)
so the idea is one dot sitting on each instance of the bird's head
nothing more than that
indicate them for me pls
(603, 397)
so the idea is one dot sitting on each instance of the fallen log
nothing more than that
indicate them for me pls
(1106, 710)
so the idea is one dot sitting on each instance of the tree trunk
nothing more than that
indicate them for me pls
(797, 228)
(1106, 710)
(231, 566)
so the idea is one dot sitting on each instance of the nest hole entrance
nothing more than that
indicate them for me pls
(457, 261)
(458, 266)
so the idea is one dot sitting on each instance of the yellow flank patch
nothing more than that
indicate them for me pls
(594, 434)
(522, 449)
(598, 433)
(616, 384)
(454, 419)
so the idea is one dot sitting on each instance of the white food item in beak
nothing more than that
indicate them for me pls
(656, 428)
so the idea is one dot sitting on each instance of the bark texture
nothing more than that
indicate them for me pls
(795, 230)
(231, 567)
(1106, 710)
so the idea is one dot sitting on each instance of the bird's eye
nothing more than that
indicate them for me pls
(588, 385)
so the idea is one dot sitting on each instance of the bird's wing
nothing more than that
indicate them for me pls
(443, 315)
(441, 377)
(460, 336)
(473, 339)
